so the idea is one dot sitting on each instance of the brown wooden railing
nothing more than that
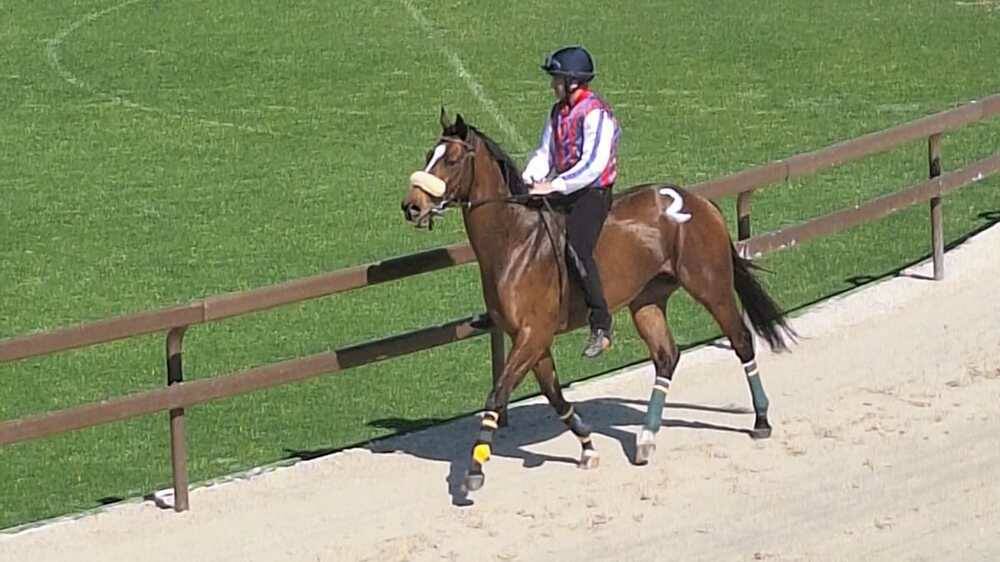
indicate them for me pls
(175, 321)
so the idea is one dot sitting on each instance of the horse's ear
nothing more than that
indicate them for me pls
(460, 127)
(444, 118)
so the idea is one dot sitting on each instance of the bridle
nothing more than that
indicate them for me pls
(448, 201)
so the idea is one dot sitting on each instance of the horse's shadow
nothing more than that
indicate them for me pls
(531, 424)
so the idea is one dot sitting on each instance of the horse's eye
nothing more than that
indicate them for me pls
(451, 158)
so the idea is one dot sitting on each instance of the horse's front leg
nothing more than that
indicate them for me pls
(524, 354)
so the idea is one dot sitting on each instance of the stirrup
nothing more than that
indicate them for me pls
(598, 341)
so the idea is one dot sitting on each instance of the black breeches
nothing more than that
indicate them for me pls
(587, 210)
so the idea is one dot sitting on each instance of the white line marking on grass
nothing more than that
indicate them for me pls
(53, 45)
(470, 81)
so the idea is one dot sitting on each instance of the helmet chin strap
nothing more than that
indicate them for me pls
(567, 89)
(570, 86)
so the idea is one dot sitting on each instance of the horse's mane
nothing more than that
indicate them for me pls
(508, 169)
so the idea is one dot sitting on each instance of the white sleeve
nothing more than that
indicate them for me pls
(539, 165)
(598, 138)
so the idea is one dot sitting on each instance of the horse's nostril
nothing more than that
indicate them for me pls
(409, 211)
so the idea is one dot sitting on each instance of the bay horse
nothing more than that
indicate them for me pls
(657, 237)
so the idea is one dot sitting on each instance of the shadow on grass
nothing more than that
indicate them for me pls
(989, 219)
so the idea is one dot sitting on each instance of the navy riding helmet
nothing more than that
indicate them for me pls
(574, 62)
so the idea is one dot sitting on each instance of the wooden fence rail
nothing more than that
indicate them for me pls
(179, 395)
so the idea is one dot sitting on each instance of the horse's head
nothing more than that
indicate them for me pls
(447, 176)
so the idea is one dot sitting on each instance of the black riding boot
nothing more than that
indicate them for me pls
(588, 210)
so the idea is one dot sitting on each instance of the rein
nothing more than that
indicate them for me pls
(520, 199)
(526, 199)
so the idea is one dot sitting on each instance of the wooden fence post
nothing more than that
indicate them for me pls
(743, 233)
(743, 215)
(497, 353)
(178, 446)
(937, 226)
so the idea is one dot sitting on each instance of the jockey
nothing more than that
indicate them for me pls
(578, 160)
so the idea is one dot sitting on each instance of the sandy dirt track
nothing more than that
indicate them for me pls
(886, 447)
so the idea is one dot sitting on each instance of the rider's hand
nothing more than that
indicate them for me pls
(541, 188)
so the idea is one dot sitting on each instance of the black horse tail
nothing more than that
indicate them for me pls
(766, 316)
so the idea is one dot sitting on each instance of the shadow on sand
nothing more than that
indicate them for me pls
(529, 424)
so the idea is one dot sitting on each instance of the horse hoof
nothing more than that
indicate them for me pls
(645, 446)
(589, 460)
(761, 431)
(474, 482)
(644, 452)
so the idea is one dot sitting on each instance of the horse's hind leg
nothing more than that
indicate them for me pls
(649, 316)
(548, 382)
(719, 299)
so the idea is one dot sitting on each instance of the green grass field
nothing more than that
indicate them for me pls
(156, 152)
